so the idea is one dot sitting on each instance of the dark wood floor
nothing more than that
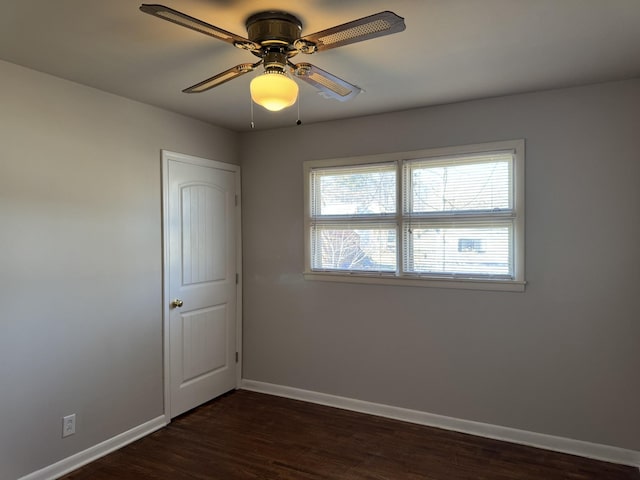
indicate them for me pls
(246, 435)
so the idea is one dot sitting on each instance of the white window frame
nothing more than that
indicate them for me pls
(515, 284)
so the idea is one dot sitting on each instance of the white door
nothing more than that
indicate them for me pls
(201, 292)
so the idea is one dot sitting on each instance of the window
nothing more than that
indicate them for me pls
(451, 217)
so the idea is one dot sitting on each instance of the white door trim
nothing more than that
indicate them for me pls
(180, 157)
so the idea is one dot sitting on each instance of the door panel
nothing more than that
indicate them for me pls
(201, 244)
(204, 247)
(204, 349)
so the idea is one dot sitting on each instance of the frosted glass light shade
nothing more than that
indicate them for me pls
(274, 91)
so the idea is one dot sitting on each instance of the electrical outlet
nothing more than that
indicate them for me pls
(68, 425)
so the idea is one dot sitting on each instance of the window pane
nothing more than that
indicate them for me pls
(475, 250)
(353, 248)
(462, 184)
(357, 190)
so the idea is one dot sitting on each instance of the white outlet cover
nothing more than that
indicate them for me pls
(68, 425)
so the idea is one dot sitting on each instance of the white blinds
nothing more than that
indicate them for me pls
(459, 184)
(454, 217)
(354, 247)
(354, 190)
(348, 208)
(474, 250)
(459, 216)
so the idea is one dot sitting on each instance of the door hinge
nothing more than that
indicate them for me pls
(237, 357)
(237, 278)
(236, 200)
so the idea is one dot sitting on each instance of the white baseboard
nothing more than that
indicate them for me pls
(522, 437)
(73, 462)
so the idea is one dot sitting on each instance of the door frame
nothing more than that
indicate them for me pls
(167, 156)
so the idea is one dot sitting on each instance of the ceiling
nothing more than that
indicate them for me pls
(451, 50)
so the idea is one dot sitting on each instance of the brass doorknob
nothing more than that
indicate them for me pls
(177, 303)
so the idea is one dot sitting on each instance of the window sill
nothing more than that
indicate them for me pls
(455, 283)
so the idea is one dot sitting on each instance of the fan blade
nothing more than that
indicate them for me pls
(179, 18)
(219, 79)
(330, 85)
(377, 25)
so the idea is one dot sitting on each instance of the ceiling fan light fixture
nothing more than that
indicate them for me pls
(274, 90)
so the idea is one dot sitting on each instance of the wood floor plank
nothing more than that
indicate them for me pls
(251, 436)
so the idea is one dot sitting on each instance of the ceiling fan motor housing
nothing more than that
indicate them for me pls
(274, 29)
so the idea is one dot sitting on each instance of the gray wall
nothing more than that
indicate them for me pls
(560, 359)
(81, 262)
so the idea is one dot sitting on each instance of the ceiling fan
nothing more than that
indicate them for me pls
(275, 37)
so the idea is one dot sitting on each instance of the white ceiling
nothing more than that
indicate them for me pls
(452, 50)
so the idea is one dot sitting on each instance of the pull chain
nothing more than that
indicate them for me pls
(253, 125)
